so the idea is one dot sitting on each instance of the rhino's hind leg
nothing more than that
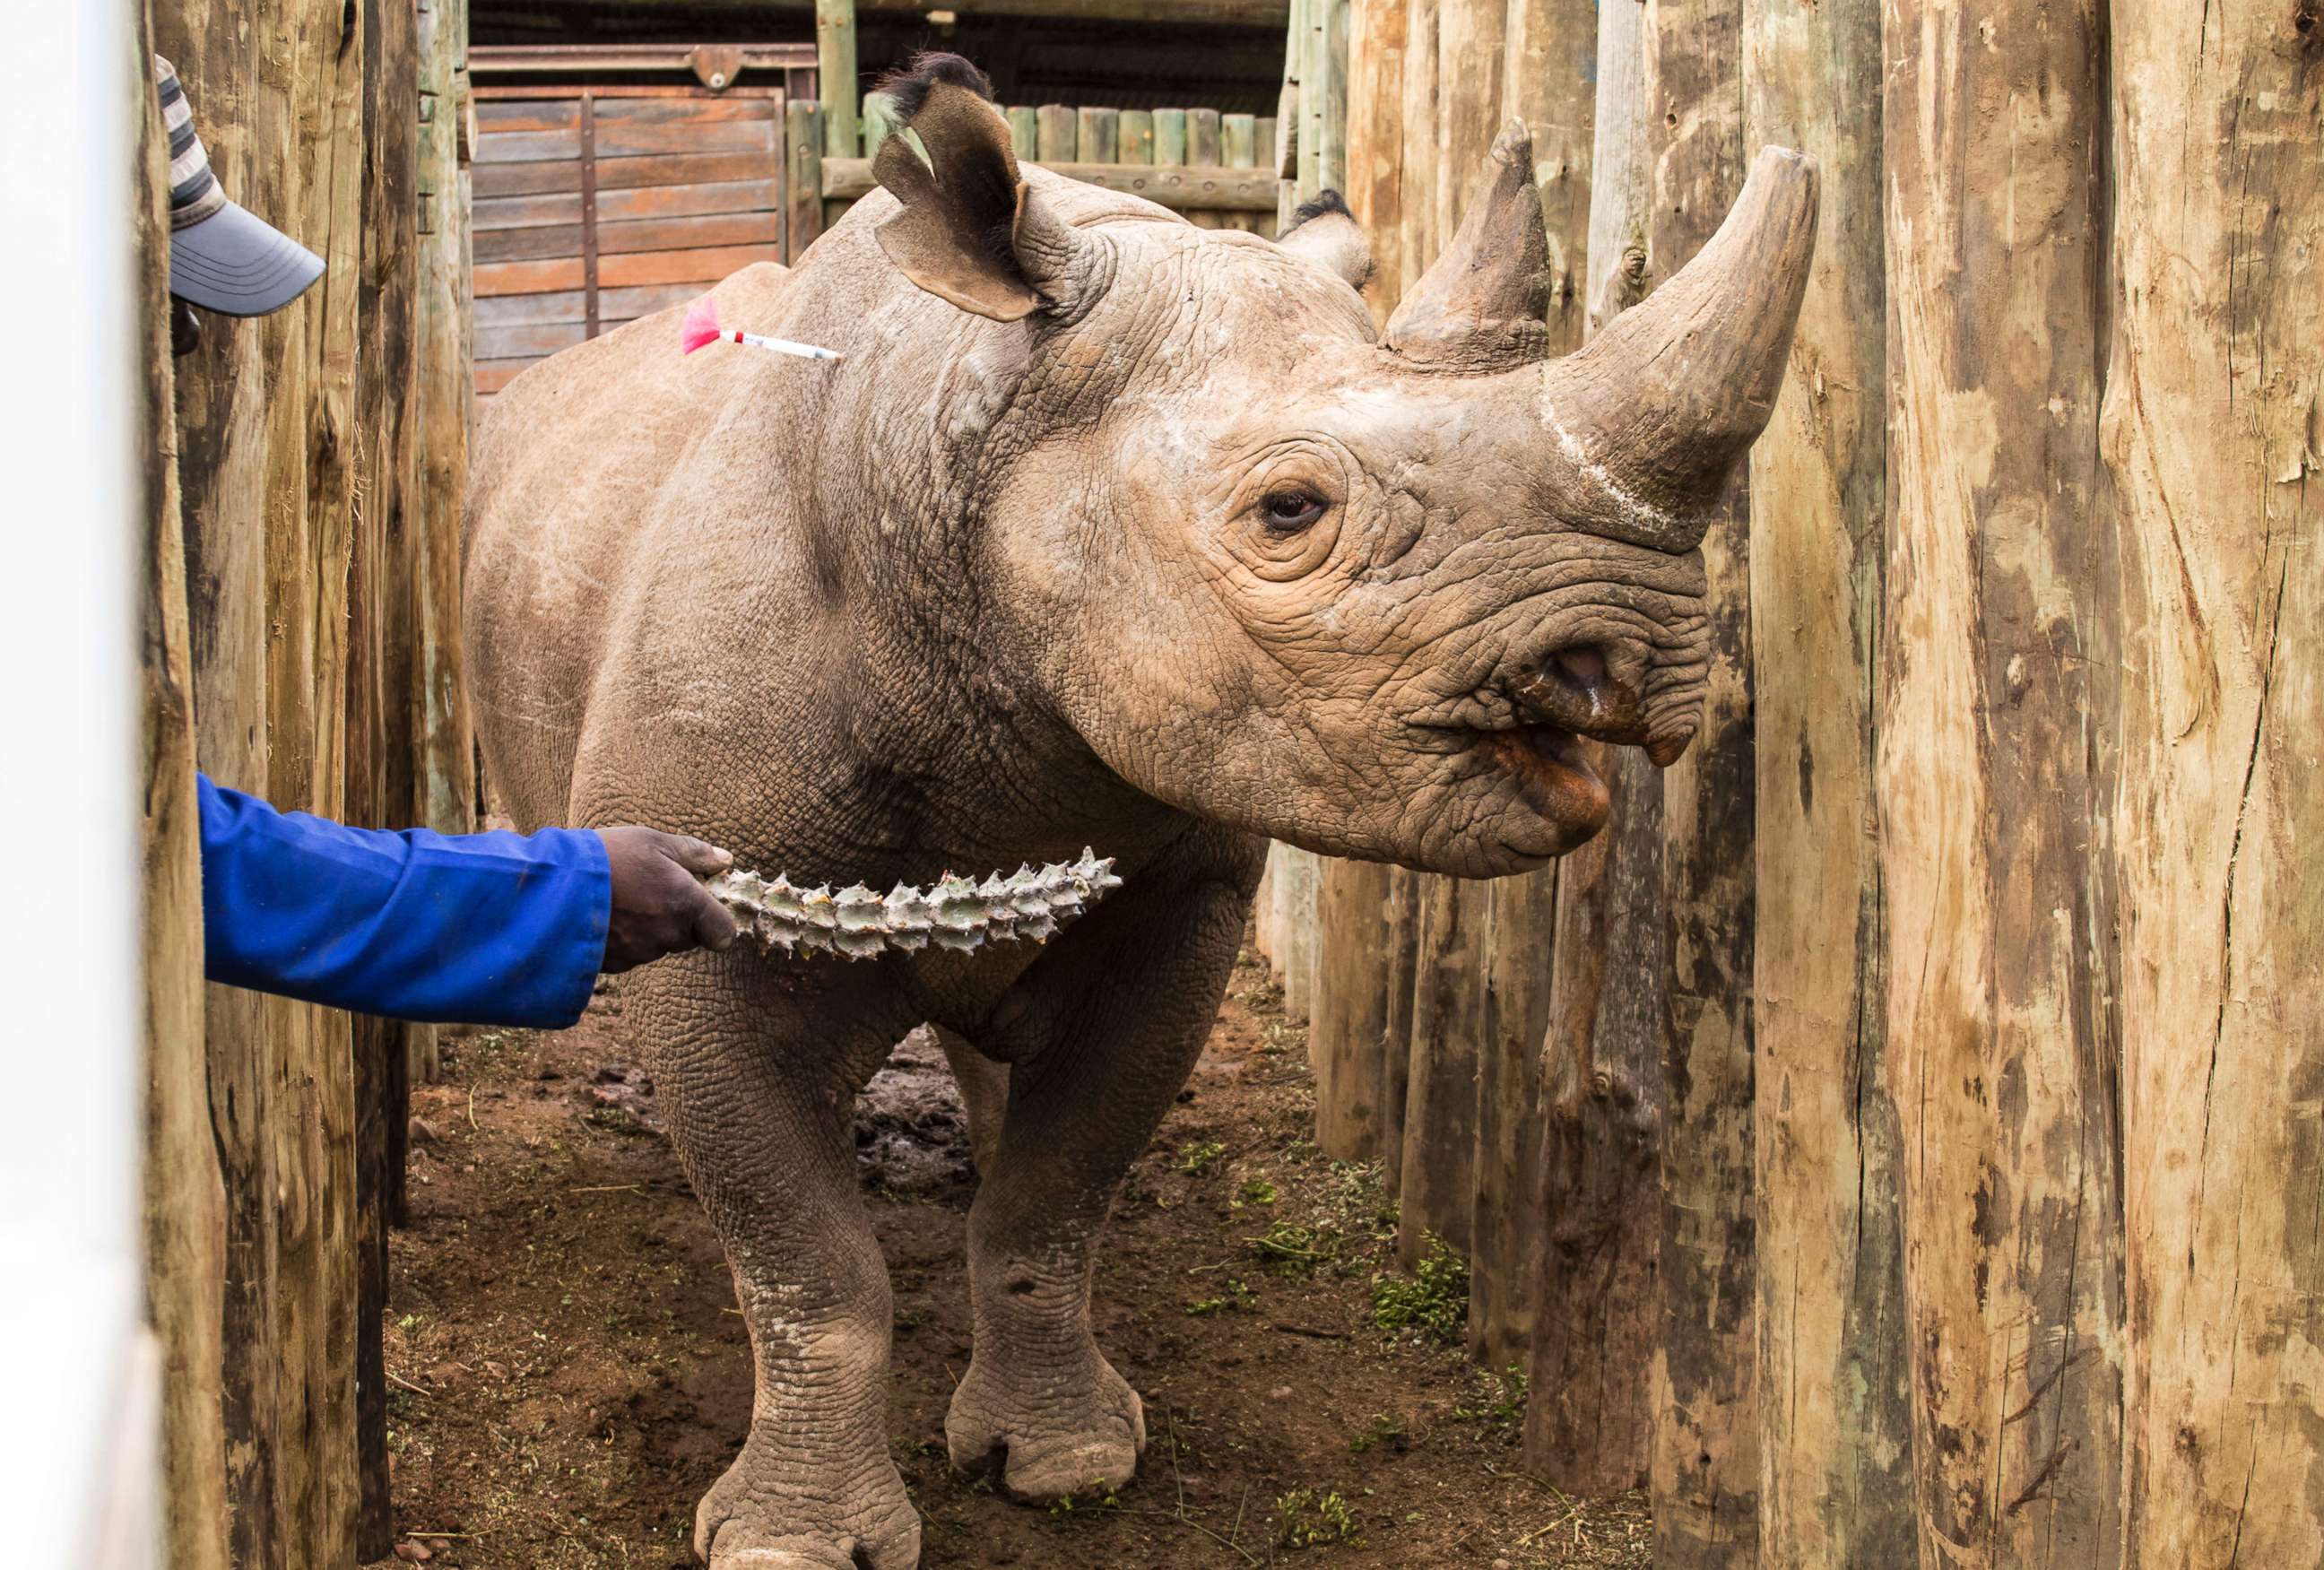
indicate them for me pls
(759, 1109)
(1103, 1031)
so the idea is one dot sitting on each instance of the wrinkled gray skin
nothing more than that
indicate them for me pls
(993, 590)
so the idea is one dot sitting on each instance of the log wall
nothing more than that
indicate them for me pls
(1926, 1093)
(299, 644)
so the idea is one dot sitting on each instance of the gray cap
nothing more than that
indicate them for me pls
(222, 257)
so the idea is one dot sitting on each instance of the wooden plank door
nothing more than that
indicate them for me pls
(595, 206)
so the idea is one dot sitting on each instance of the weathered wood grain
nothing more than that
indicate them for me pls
(1835, 1393)
(1348, 1020)
(1376, 44)
(1706, 1453)
(1505, 1225)
(835, 72)
(1438, 1191)
(2213, 443)
(184, 1200)
(2000, 640)
(1588, 1424)
(1058, 134)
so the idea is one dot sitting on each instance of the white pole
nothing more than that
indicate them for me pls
(77, 1444)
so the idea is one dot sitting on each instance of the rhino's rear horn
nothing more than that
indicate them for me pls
(969, 230)
(1480, 306)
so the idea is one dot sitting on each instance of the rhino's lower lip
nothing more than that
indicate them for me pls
(1552, 771)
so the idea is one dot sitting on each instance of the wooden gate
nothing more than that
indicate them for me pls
(598, 205)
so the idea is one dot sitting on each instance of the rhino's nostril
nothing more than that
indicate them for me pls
(1582, 670)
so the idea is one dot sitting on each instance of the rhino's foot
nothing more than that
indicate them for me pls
(749, 1521)
(1066, 1435)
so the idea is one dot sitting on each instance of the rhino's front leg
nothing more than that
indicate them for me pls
(758, 1094)
(1103, 1032)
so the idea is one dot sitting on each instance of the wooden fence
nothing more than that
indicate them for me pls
(1906, 1110)
(597, 204)
(299, 642)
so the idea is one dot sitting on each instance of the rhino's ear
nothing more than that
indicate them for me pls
(1325, 232)
(969, 230)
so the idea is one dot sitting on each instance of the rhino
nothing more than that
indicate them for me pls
(1107, 531)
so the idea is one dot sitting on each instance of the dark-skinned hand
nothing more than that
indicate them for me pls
(660, 905)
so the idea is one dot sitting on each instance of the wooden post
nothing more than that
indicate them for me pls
(221, 447)
(1374, 193)
(1504, 1256)
(1024, 130)
(1399, 979)
(1169, 136)
(1099, 132)
(1588, 1424)
(1469, 73)
(835, 74)
(1835, 1403)
(184, 1198)
(382, 669)
(1203, 137)
(1440, 1111)
(313, 522)
(1417, 241)
(1589, 1427)
(445, 763)
(1706, 1462)
(1323, 96)
(1059, 134)
(1348, 1020)
(1238, 141)
(1137, 136)
(1549, 67)
(2213, 441)
(2000, 647)
(1551, 85)
(803, 220)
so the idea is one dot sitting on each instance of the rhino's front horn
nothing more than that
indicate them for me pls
(1479, 305)
(1659, 407)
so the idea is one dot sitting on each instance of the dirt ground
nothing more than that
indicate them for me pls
(569, 1373)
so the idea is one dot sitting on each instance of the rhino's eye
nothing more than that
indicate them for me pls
(1289, 512)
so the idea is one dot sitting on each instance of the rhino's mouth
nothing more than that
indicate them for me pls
(1553, 773)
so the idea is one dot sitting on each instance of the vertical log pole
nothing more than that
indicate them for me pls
(183, 1196)
(312, 516)
(1504, 1225)
(221, 403)
(382, 668)
(835, 76)
(446, 770)
(1059, 133)
(1706, 1464)
(1551, 85)
(2000, 648)
(1549, 65)
(2213, 437)
(1375, 43)
(1835, 1415)
(1417, 240)
(1137, 135)
(1348, 1026)
(1470, 72)
(1169, 135)
(803, 181)
(1440, 1126)
(1588, 1425)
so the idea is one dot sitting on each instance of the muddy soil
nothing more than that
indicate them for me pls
(569, 1371)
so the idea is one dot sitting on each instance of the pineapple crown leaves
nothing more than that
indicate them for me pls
(961, 914)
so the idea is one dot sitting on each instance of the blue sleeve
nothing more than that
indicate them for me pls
(478, 928)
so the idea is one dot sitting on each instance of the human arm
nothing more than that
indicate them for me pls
(489, 928)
